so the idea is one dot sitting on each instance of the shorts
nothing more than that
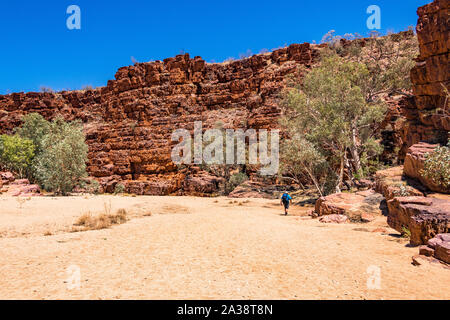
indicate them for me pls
(286, 204)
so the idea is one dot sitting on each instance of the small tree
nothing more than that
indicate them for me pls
(300, 160)
(62, 162)
(16, 154)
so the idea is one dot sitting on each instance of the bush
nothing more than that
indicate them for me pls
(120, 188)
(94, 187)
(402, 191)
(235, 180)
(102, 221)
(406, 233)
(437, 166)
(34, 128)
(62, 162)
(16, 154)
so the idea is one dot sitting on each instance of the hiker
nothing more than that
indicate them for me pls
(285, 199)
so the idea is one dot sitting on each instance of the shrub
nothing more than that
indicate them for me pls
(16, 154)
(238, 178)
(91, 186)
(120, 188)
(402, 191)
(46, 89)
(437, 166)
(101, 221)
(62, 162)
(235, 180)
(406, 233)
(34, 128)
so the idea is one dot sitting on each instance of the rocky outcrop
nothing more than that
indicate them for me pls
(393, 183)
(431, 76)
(438, 247)
(201, 184)
(129, 122)
(411, 207)
(396, 135)
(414, 164)
(361, 206)
(334, 218)
(427, 118)
(422, 217)
(17, 187)
(258, 189)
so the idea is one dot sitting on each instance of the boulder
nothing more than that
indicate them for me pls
(426, 251)
(423, 217)
(334, 218)
(361, 206)
(23, 188)
(202, 183)
(6, 177)
(442, 252)
(438, 247)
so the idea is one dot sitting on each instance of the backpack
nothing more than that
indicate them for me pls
(285, 197)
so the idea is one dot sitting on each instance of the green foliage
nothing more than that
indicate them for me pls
(16, 154)
(437, 166)
(300, 160)
(94, 187)
(388, 58)
(406, 233)
(62, 162)
(235, 180)
(332, 117)
(238, 178)
(402, 191)
(329, 118)
(34, 128)
(120, 188)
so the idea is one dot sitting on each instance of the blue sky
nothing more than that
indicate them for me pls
(38, 50)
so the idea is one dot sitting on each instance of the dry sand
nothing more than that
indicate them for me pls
(202, 248)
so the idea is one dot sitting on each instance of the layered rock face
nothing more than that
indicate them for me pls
(129, 122)
(424, 217)
(411, 206)
(431, 76)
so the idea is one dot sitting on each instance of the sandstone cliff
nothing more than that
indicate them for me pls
(129, 122)
(430, 120)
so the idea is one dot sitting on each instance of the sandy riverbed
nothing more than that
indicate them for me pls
(202, 248)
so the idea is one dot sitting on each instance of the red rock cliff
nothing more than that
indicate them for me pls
(430, 119)
(129, 122)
